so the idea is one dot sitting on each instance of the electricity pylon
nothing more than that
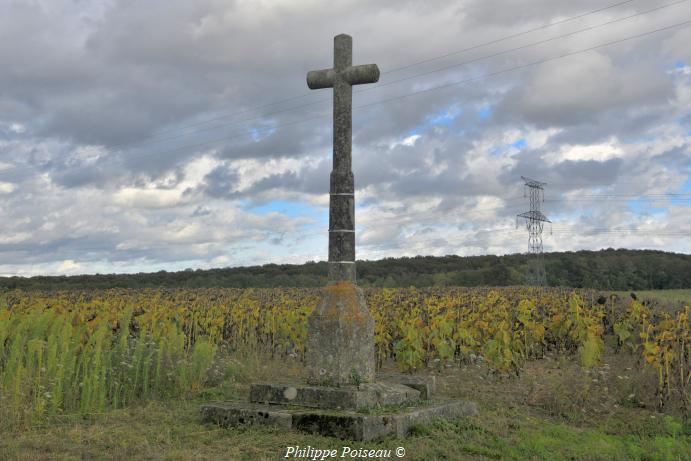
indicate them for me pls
(534, 221)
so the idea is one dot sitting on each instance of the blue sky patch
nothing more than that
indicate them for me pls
(643, 139)
(501, 149)
(685, 189)
(637, 206)
(258, 134)
(681, 201)
(518, 144)
(642, 207)
(443, 118)
(687, 186)
(497, 150)
(556, 216)
(288, 208)
(484, 113)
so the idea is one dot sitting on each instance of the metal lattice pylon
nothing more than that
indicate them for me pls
(534, 221)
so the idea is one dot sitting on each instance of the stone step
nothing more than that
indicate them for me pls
(363, 396)
(426, 384)
(342, 424)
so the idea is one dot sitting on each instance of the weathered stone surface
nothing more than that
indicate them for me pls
(342, 214)
(341, 182)
(368, 395)
(343, 247)
(342, 271)
(341, 78)
(344, 425)
(426, 384)
(235, 414)
(340, 338)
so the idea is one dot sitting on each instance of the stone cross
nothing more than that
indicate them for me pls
(341, 78)
(340, 330)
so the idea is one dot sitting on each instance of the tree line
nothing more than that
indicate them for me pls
(608, 269)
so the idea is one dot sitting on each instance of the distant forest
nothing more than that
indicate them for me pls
(606, 270)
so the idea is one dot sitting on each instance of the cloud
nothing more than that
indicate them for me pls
(6, 187)
(582, 91)
(68, 266)
(131, 137)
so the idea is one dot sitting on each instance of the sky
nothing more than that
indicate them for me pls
(168, 134)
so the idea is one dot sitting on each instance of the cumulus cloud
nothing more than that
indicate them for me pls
(170, 134)
(579, 91)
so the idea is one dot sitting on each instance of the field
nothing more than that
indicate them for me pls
(557, 374)
(671, 298)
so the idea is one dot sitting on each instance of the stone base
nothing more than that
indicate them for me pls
(341, 424)
(425, 384)
(364, 396)
(340, 338)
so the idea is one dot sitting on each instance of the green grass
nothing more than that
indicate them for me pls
(553, 411)
(171, 431)
(675, 297)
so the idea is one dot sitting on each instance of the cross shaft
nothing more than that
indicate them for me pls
(341, 78)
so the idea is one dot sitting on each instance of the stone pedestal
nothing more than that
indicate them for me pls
(348, 425)
(342, 398)
(340, 338)
(362, 397)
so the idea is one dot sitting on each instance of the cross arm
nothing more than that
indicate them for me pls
(354, 75)
(317, 79)
(366, 73)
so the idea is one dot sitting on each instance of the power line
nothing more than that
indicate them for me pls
(426, 90)
(508, 37)
(661, 194)
(410, 240)
(436, 213)
(530, 64)
(592, 186)
(158, 139)
(406, 218)
(640, 232)
(528, 45)
(620, 199)
(477, 46)
(414, 76)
